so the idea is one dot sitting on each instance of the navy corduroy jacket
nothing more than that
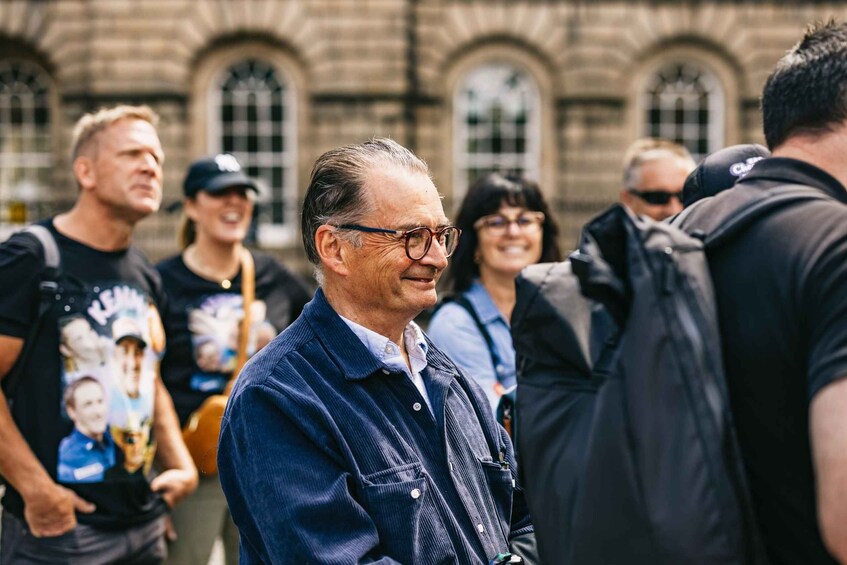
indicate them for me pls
(326, 457)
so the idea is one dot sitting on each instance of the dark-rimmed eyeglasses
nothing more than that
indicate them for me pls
(417, 240)
(656, 197)
(498, 224)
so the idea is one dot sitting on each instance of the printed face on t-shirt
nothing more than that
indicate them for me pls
(87, 408)
(119, 323)
(215, 323)
(129, 356)
(80, 343)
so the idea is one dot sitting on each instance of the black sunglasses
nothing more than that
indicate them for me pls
(656, 197)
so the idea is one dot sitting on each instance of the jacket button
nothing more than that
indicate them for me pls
(386, 372)
(416, 406)
(416, 493)
(479, 528)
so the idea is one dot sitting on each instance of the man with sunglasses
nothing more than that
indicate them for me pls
(350, 438)
(654, 171)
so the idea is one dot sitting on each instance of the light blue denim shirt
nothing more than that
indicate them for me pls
(389, 353)
(455, 333)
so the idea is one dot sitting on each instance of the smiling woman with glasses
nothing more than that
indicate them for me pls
(506, 225)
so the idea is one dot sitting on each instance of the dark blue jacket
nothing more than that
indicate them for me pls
(325, 457)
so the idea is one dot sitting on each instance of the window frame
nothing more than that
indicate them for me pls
(530, 159)
(728, 75)
(714, 127)
(20, 203)
(213, 63)
(268, 233)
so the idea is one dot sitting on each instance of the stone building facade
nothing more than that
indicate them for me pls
(553, 89)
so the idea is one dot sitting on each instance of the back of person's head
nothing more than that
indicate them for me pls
(721, 170)
(806, 94)
(485, 197)
(336, 195)
(84, 139)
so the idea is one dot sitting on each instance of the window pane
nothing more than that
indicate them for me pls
(256, 113)
(497, 124)
(684, 104)
(26, 156)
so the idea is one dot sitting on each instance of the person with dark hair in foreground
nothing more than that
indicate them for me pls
(781, 290)
(351, 438)
(506, 225)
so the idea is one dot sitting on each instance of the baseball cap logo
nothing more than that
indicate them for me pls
(742, 168)
(227, 163)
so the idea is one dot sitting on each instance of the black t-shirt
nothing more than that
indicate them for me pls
(85, 401)
(203, 321)
(781, 290)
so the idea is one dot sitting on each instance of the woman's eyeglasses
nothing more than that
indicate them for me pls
(417, 240)
(498, 224)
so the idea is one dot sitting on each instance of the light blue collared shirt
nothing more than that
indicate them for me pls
(389, 354)
(454, 332)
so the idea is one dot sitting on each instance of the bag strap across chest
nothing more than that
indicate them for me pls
(248, 295)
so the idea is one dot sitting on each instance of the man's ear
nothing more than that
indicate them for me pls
(332, 250)
(83, 169)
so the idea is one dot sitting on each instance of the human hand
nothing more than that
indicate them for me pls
(51, 511)
(170, 530)
(175, 484)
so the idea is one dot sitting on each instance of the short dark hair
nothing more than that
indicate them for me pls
(806, 92)
(335, 194)
(485, 197)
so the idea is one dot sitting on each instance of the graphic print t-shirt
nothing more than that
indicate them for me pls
(86, 403)
(203, 325)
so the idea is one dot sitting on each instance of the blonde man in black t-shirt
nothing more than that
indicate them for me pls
(117, 163)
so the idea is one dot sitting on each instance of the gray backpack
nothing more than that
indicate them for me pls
(40, 239)
(627, 444)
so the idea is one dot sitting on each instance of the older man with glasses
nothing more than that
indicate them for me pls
(654, 171)
(350, 438)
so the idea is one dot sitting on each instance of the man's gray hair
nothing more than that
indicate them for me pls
(647, 149)
(335, 194)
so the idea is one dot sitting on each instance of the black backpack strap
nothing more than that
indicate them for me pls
(718, 219)
(489, 341)
(48, 287)
(775, 199)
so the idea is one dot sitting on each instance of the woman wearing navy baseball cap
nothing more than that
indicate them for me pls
(214, 324)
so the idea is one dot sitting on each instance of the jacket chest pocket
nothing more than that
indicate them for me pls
(501, 487)
(403, 506)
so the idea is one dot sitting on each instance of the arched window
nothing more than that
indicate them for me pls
(253, 117)
(26, 153)
(684, 103)
(496, 125)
